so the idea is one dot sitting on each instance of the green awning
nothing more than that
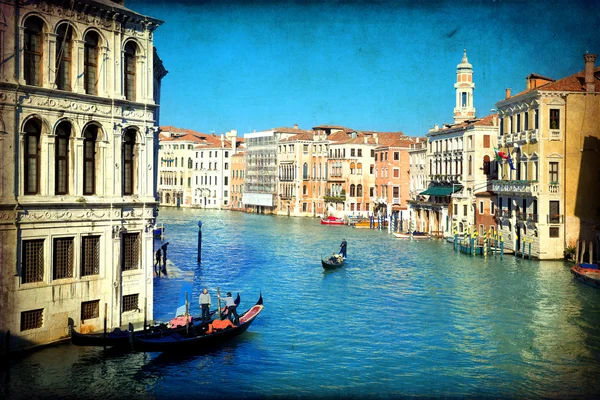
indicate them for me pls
(441, 190)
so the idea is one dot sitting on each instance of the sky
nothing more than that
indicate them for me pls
(367, 65)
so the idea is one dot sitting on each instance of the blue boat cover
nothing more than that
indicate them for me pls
(591, 266)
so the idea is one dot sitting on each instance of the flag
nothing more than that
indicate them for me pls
(512, 167)
(500, 155)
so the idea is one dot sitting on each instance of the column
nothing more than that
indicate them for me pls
(47, 165)
(76, 168)
(49, 74)
(77, 81)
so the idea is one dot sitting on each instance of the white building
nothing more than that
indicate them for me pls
(79, 122)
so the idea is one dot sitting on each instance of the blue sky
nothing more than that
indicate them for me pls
(368, 65)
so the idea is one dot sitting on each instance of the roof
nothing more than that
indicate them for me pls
(117, 8)
(488, 120)
(571, 83)
(289, 130)
(441, 190)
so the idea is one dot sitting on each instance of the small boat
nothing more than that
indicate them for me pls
(200, 338)
(120, 338)
(332, 262)
(588, 273)
(331, 220)
(414, 236)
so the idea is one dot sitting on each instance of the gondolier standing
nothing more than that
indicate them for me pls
(343, 248)
(231, 308)
(205, 304)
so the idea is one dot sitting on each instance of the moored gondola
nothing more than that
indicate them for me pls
(332, 262)
(201, 338)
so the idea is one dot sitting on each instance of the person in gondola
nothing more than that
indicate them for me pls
(231, 308)
(204, 301)
(343, 246)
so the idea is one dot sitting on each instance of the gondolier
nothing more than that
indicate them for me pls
(231, 308)
(343, 246)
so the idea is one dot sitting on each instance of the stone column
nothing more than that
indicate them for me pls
(76, 169)
(49, 74)
(78, 66)
(47, 165)
(103, 73)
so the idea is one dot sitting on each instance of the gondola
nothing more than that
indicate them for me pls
(199, 338)
(120, 338)
(332, 262)
(587, 273)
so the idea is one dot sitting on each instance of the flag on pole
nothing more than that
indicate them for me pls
(510, 163)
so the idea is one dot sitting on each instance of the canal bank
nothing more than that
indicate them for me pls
(400, 318)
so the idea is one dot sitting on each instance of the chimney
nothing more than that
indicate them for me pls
(508, 93)
(295, 126)
(590, 85)
(222, 140)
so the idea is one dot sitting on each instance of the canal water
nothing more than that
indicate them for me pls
(402, 318)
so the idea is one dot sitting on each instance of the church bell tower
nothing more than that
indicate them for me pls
(464, 86)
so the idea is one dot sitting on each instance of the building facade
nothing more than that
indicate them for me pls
(79, 107)
(548, 141)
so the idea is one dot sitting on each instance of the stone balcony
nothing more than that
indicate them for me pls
(523, 188)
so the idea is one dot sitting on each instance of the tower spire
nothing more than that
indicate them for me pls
(464, 86)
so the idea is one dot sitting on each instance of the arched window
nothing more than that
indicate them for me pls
(89, 159)
(359, 191)
(352, 168)
(90, 63)
(486, 165)
(64, 47)
(33, 129)
(128, 161)
(129, 70)
(33, 51)
(61, 156)
(190, 163)
(352, 190)
(304, 191)
(305, 171)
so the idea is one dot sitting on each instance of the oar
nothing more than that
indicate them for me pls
(219, 300)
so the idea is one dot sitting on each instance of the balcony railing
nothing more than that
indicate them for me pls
(554, 134)
(395, 200)
(554, 219)
(554, 188)
(334, 199)
(517, 187)
(533, 135)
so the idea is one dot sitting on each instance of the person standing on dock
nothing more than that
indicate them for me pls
(343, 246)
(164, 251)
(205, 304)
(158, 258)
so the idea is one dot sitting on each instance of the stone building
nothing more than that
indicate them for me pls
(550, 135)
(79, 132)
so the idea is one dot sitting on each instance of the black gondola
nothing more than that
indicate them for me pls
(332, 262)
(200, 338)
(120, 338)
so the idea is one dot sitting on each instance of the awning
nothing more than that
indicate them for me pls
(441, 190)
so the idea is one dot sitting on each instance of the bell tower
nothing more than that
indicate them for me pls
(464, 86)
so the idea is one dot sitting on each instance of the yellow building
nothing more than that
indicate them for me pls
(550, 134)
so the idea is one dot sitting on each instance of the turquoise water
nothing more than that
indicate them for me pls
(401, 318)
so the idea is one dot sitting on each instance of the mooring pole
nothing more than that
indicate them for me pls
(105, 320)
(199, 241)
(219, 300)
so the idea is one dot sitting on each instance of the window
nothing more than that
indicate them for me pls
(90, 309)
(130, 302)
(305, 171)
(304, 190)
(554, 232)
(481, 207)
(395, 192)
(554, 118)
(304, 208)
(526, 120)
(375, 156)
(90, 255)
(189, 182)
(535, 119)
(470, 165)
(352, 152)
(190, 163)
(226, 181)
(226, 166)
(373, 153)
(64, 46)
(359, 152)
(518, 127)
(371, 192)
(554, 210)
(32, 261)
(553, 172)
(63, 258)
(63, 132)
(226, 155)
(32, 157)
(501, 126)
(456, 209)
(486, 165)
(128, 161)
(305, 148)
(465, 210)
(352, 190)
(486, 141)
(492, 207)
(396, 173)
(463, 98)
(89, 159)
(359, 190)
(32, 51)
(131, 251)
(129, 70)
(32, 319)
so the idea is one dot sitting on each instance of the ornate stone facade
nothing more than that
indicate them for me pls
(78, 143)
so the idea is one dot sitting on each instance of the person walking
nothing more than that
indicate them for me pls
(164, 251)
(231, 308)
(343, 246)
(204, 301)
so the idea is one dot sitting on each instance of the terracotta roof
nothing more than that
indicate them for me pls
(305, 135)
(488, 120)
(290, 130)
(187, 135)
(332, 127)
(571, 83)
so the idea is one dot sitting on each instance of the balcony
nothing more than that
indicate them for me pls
(523, 136)
(334, 199)
(554, 219)
(523, 188)
(553, 188)
(533, 135)
(554, 134)
(396, 200)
